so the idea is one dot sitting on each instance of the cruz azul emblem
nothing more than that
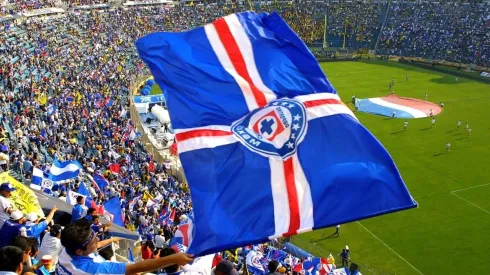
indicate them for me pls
(274, 130)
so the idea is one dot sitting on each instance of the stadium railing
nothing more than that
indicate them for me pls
(176, 167)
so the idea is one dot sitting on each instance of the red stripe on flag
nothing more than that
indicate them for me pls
(233, 51)
(201, 133)
(294, 221)
(314, 103)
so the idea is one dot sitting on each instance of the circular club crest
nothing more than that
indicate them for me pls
(274, 130)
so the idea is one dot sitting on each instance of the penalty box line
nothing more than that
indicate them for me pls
(387, 246)
(467, 201)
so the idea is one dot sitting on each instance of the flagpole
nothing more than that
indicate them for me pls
(345, 33)
(325, 33)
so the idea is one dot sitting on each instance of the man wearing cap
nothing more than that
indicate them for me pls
(31, 229)
(5, 205)
(12, 227)
(79, 242)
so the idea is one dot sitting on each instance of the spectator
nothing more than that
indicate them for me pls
(91, 212)
(225, 267)
(12, 227)
(80, 242)
(273, 267)
(98, 227)
(5, 206)
(51, 244)
(159, 239)
(79, 209)
(11, 258)
(25, 245)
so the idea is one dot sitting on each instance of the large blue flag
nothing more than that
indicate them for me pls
(267, 146)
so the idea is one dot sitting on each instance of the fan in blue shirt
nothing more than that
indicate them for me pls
(11, 227)
(80, 242)
(78, 211)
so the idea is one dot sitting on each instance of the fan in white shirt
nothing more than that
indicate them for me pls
(159, 239)
(5, 206)
(51, 244)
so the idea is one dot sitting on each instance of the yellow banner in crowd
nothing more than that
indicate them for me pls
(147, 196)
(23, 198)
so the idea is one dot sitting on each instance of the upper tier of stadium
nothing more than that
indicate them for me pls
(449, 30)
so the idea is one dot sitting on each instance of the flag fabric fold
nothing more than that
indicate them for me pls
(259, 126)
(113, 206)
(100, 181)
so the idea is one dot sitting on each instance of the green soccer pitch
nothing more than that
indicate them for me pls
(450, 231)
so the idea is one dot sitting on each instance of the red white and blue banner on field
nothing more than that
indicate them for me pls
(267, 146)
(399, 107)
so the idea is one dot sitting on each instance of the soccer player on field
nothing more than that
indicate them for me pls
(448, 146)
(459, 124)
(469, 132)
(433, 121)
(405, 125)
(393, 113)
(426, 96)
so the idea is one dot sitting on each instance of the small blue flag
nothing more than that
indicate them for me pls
(82, 189)
(51, 110)
(100, 181)
(113, 206)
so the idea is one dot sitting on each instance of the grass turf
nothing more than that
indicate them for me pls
(448, 233)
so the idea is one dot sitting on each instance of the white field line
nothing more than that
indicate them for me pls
(387, 246)
(469, 202)
(462, 189)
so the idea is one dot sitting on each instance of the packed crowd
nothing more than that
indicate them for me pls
(19, 6)
(64, 86)
(451, 31)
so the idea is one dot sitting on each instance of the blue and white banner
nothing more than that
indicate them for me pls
(256, 263)
(149, 99)
(51, 110)
(64, 170)
(42, 180)
(286, 155)
(71, 197)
